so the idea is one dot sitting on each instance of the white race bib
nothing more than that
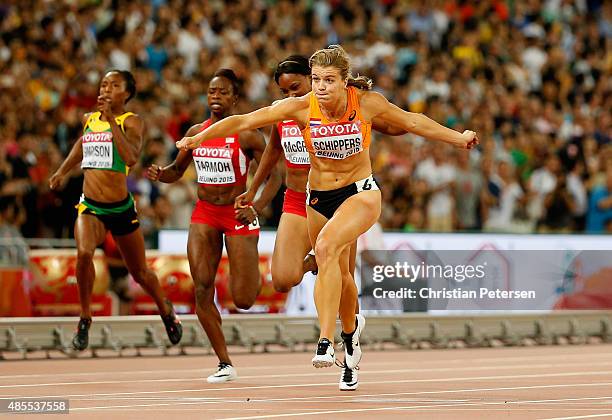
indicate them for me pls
(214, 165)
(294, 146)
(97, 150)
(337, 141)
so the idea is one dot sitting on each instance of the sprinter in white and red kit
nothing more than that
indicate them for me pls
(222, 166)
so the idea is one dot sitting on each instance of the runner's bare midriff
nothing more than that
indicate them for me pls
(330, 174)
(220, 195)
(296, 179)
(104, 186)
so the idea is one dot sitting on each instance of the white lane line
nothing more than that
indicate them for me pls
(243, 368)
(398, 408)
(114, 407)
(310, 412)
(455, 406)
(313, 400)
(209, 410)
(559, 400)
(581, 417)
(397, 394)
(210, 406)
(334, 384)
(141, 372)
(338, 401)
(362, 410)
(317, 374)
(301, 413)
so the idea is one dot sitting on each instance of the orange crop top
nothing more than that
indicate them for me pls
(338, 140)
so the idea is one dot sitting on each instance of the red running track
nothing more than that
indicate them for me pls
(556, 382)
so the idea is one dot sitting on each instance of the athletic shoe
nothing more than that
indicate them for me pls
(174, 329)
(352, 350)
(325, 354)
(349, 380)
(80, 341)
(224, 373)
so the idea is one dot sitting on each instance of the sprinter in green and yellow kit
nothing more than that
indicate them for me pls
(112, 141)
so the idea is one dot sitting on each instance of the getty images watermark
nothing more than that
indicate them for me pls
(458, 273)
(488, 279)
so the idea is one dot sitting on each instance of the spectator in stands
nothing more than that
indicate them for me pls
(468, 186)
(576, 187)
(533, 77)
(600, 205)
(542, 182)
(13, 248)
(504, 205)
(439, 174)
(559, 206)
(415, 222)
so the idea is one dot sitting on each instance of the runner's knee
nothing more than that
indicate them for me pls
(242, 301)
(326, 249)
(204, 294)
(143, 275)
(284, 278)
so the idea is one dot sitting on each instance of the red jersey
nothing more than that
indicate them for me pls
(220, 161)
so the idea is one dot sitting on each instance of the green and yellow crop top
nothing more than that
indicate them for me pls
(99, 150)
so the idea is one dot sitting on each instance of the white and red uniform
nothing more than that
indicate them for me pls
(296, 156)
(221, 162)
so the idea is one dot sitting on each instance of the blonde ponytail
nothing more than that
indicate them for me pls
(360, 82)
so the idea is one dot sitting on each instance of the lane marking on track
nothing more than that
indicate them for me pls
(457, 406)
(454, 404)
(336, 397)
(242, 368)
(581, 417)
(317, 374)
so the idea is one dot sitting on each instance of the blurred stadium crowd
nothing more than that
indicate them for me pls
(532, 77)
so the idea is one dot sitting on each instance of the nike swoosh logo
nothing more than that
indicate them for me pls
(238, 227)
(352, 116)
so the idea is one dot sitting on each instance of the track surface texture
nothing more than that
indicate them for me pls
(552, 382)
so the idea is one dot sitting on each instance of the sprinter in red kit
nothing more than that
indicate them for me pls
(222, 166)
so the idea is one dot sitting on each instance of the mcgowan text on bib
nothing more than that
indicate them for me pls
(294, 146)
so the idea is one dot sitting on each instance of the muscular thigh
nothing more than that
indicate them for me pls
(132, 249)
(352, 258)
(292, 242)
(354, 217)
(244, 263)
(89, 232)
(345, 261)
(316, 222)
(204, 250)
